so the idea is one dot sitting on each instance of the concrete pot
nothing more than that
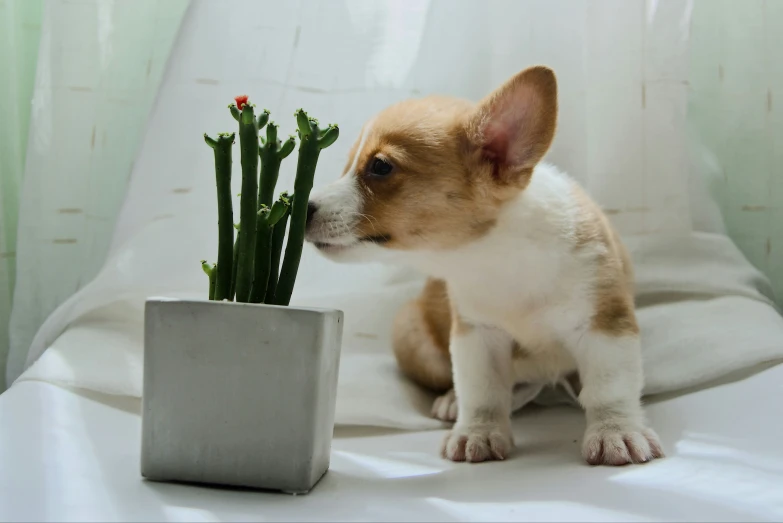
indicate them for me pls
(239, 394)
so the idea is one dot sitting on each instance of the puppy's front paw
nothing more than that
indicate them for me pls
(445, 407)
(620, 444)
(485, 442)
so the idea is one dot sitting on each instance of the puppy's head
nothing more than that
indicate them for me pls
(433, 173)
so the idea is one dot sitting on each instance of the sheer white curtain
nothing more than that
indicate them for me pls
(20, 29)
(737, 104)
(623, 73)
(99, 66)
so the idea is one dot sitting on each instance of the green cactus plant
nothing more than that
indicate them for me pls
(252, 269)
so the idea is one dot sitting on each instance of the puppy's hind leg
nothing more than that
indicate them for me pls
(445, 407)
(421, 345)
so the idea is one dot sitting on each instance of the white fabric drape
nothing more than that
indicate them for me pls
(20, 28)
(99, 67)
(623, 74)
(736, 102)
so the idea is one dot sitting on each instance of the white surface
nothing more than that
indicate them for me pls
(704, 313)
(623, 73)
(72, 456)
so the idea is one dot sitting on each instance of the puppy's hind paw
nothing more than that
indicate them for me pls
(445, 407)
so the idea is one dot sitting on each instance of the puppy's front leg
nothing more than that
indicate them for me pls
(481, 358)
(610, 368)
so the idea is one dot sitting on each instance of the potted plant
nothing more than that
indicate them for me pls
(240, 389)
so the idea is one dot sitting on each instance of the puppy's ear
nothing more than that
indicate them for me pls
(512, 129)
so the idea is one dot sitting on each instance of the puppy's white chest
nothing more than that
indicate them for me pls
(537, 295)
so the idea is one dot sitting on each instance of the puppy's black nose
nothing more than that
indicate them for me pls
(311, 208)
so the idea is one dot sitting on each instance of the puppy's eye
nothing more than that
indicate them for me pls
(380, 167)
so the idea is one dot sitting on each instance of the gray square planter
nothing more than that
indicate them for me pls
(239, 394)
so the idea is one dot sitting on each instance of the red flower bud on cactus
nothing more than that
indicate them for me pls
(241, 101)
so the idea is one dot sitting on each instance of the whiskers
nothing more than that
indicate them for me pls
(340, 224)
(369, 220)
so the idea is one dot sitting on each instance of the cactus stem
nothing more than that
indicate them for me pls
(287, 147)
(248, 144)
(222, 151)
(278, 235)
(210, 141)
(263, 118)
(267, 219)
(211, 272)
(302, 123)
(262, 259)
(328, 137)
(235, 261)
(270, 154)
(310, 146)
(234, 111)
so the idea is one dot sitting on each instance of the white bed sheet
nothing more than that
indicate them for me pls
(73, 455)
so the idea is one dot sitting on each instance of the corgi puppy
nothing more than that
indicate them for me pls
(529, 283)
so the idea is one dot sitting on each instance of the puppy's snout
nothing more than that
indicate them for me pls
(311, 210)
